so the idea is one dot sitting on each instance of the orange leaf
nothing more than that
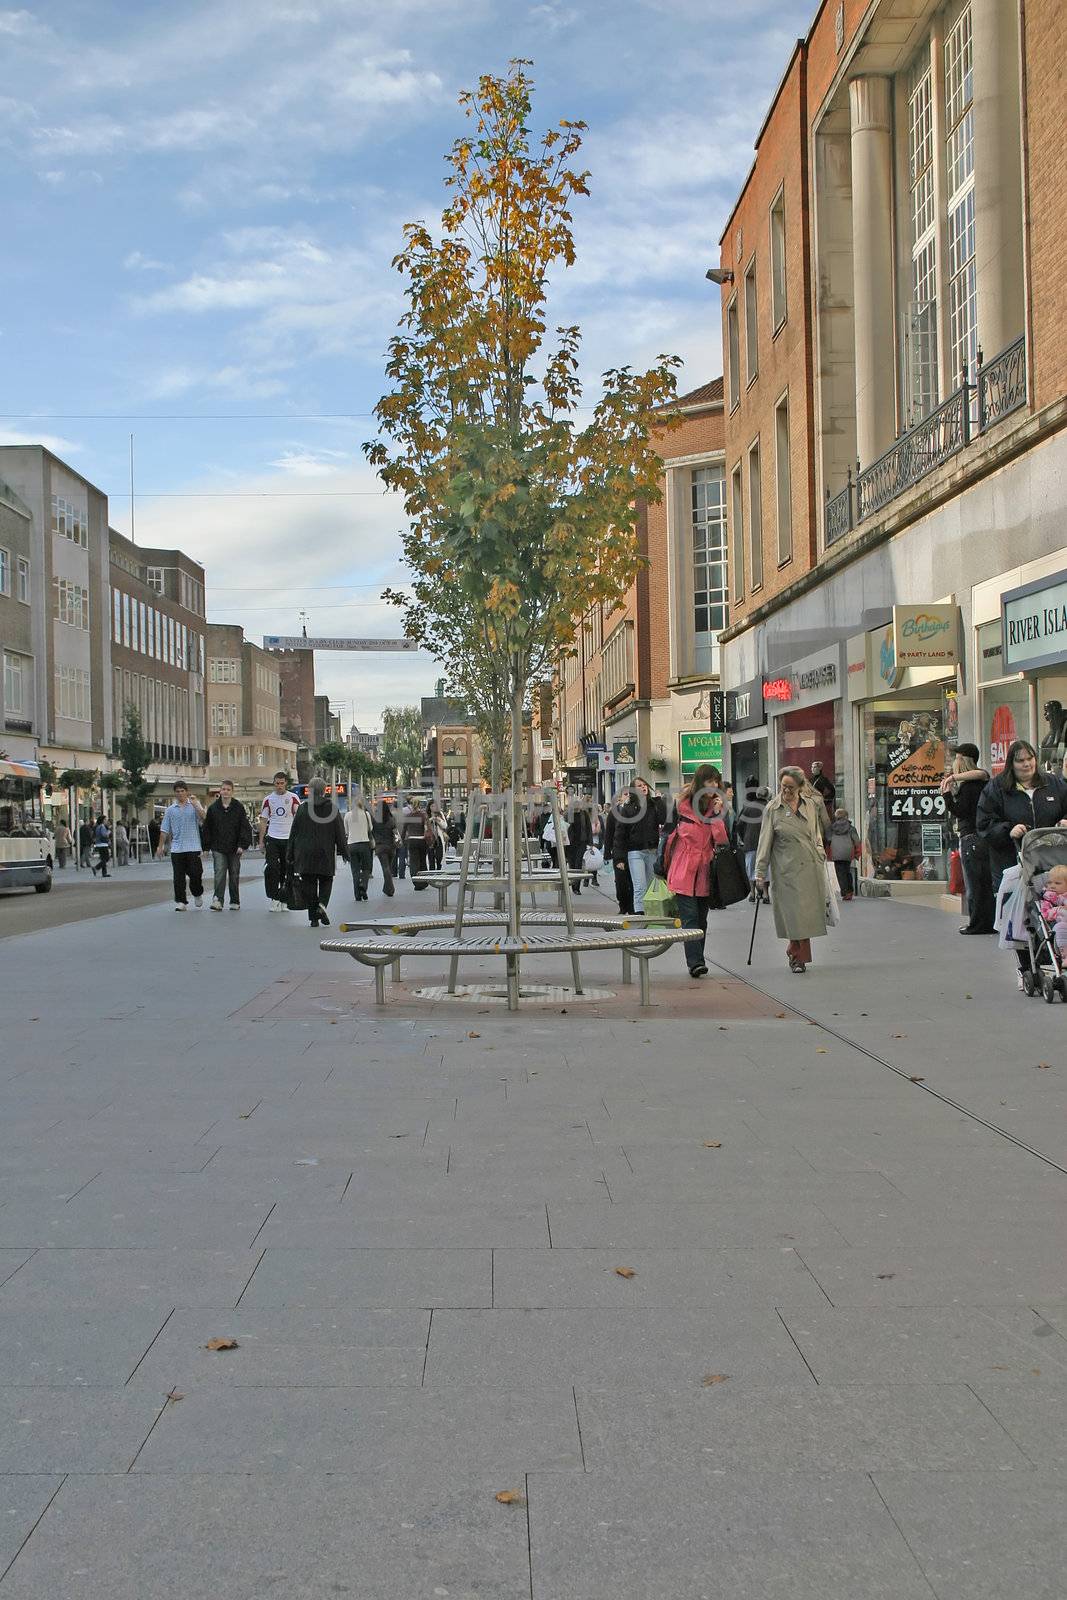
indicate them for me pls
(473, 1035)
(914, 1079)
(510, 1497)
(221, 1344)
(712, 1144)
(174, 1395)
(1044, 1066)
(625, 1272)
(711, 1378)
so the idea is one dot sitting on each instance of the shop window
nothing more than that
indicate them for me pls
(1052, 721)
(906, 825)
(1005, 717)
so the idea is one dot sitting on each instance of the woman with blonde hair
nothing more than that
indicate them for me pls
(792, 838)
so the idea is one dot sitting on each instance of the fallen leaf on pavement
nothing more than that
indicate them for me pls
(915, 1079)
(174, 1395)
(884, 1275)
(780, 1015)
(900, 1036)
(1044, 1066)
(712, 1144)
(221, 1344)
(713, 1377)
(510, 1497)
(473, 1034)
(625, 1272)
(821, 1050)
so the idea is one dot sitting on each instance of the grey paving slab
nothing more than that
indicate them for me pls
(693, 1534)
(573, 1279)
(929, 1344)
(856, 1428)
(458, 1227)
(23, 1499)
(1015, 1272)
(73, 1430)
(606, 1349)
(198, 1224)
(476, 1429)
(1034, 1413)
(982, 1535)
(72, 1348)
(10, 1263)
(706, 1224)
(287, 1346)
(56, 1277)
(365, 1537)
(333, 1275)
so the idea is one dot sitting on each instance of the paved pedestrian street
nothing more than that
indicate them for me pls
(759, 1293)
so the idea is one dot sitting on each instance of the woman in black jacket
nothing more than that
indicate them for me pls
(962, 790)
(317, 839)
(1021, 798)
(640, 818)
(385, 837)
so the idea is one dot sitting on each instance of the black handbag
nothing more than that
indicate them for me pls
(729, 880)
(295, 898)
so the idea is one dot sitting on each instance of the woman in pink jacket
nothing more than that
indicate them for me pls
(688, 856)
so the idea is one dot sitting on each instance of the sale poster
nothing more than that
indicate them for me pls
(1002, 736)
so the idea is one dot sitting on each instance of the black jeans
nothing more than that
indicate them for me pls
(693, 910)
(400, 861)
(103, 856)
(385, 861)
(624, 888)
(186, 864)
(227, 870)
(416, 859)
(361, 860)
(974, 858)
(316, 893)
(435, 854)
(276, 869)
(844, 877)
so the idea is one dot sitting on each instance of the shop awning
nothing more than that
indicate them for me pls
(20, 769)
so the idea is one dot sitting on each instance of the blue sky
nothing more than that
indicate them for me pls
(200, 204)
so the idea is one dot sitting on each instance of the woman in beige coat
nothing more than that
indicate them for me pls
(792, 838)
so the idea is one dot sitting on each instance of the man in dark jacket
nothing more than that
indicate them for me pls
(317, 839)
(748, 825)
(823, 787)
(962, 790)
(580, 835)
(615, 852)
(227, 833)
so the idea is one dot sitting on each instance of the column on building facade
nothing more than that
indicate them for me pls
(870, 104)
(998, 188)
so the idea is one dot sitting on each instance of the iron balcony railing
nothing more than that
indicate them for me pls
(998, 390)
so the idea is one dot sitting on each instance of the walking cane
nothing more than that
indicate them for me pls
(755, 919)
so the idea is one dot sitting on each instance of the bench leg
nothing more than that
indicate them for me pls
(394, 970)
(453, 973)
(379, 985)
(576, 972)
(627, 973)
(513, 982)
(646, 991)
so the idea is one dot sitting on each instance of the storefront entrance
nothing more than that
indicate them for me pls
(905, 756)
(811, 734)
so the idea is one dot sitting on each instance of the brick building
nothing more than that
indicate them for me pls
(640, 680)
(19, 706)
(245, 714)
(158, 655)
(296, 674)
(894, 300)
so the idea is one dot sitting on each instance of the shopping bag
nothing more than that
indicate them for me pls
(833, 897)
(660, 904)
(1010, 919)
(729, 881)
(955, 873)
(294, 892)
(593, 859)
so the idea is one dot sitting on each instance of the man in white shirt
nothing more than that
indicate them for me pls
(360, 846)
(181, 830)
(275, 825)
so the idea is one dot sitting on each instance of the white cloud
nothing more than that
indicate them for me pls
(50, 441)
(305, 463)
(137, 261)
(20, 24)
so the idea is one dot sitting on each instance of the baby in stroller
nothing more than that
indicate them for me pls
(1054, 905)
(1034, 920)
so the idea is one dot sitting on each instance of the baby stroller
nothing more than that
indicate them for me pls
(1039, 851)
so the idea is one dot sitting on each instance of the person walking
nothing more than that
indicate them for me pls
(154, 832)
(85, 843)
(579, 838)
(102, 846)
(316, 839)
(823, 787)
(556, 852)
(227, 834)
(63, 843)
(615, 852)
(181, 830)
(359, 834)
(275, 825)
(641, 815)
(122, 844)
(383, 835)
(437, 837)
(962, 790)
(1021, 798)
(791, 844)
(844, 849)
(747, 828)
(415, 838)
(699, 828)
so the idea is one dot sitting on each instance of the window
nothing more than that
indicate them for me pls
(224, 669)
(116, 602)
(779, 292)
(737, 535)
(618, 670)
(126, 620)
(143, 609)
(755, 515)
(72, 693)
(782, 481)
(751, 323)
(733, 343)
(70, 522)
(710, 581)
(155, 579)
(18, 680)
(920, 319)
(151, 631)
(5, 571)
(959, 121)
(70, 603)
(224, 718)
(22, 581)
(134, 634)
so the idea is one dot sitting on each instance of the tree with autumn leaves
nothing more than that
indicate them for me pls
(519, 518)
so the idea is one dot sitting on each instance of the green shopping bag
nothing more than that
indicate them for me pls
(660, 904)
